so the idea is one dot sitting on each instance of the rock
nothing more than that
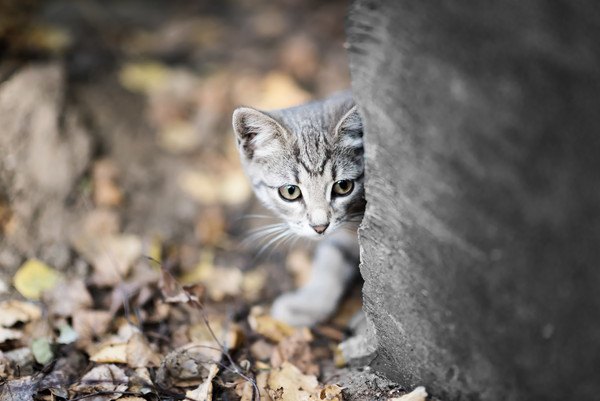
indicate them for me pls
(480, 240)
(44, 150)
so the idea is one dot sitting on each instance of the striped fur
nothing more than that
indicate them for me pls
(311, 146)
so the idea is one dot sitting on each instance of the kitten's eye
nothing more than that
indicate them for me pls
(290, 192)
(343, 187)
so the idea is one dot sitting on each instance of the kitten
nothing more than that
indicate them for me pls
(306, 164)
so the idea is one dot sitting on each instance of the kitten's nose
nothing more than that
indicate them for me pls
(320, 229)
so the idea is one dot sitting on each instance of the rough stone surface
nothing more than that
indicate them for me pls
(480, 242)
(44, 150)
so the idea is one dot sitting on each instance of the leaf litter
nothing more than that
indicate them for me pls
(146, 316)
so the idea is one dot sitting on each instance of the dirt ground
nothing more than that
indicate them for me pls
(130, 262)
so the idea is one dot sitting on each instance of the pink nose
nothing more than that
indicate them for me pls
(320, 229)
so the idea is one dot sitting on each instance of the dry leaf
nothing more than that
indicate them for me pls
(50, 38)
(42, 350)
(331, 392)
(262, 350)
(188, 364)
(245, 391)
(108, 379)
(140, 354)
(211, 225)
(287, 383)
(114, 257)
(204, 390)
(143, 77)
(12, 312)
(178, 136)
(231, 188)
(296, 349)
(228, 334)
(106, 190)
(418, 394)
(262, 379)
(34, 277)
(68, 297)
(90, 323)
(23, 388)
(111, 353)
(253, 283)
(220, 282)
(267, 326)
(9, 334)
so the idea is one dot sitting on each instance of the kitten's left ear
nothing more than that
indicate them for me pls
(254, 129)
(349, 130)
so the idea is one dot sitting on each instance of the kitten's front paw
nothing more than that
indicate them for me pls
(303, 308)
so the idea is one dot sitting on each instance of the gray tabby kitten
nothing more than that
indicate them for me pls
(306, 164)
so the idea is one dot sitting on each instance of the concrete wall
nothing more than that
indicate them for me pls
(481, 242)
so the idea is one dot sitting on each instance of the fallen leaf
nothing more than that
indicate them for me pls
(143, 77)
(188, 364)
(90, 323)
(178, 136)
(114, 258)
(47, 37)
(204, 390)
(331, 392)
(262, 379)
(67, 297)
(106, 190)
(42, 350)
(296, 350)
(212, 189)
(9, 334)
(220, 282)
(16, 363)
(227, 333)
(418, 394)
(262, 350)
(267, 326)
(34, 277)
(13, 312)
(67, 334)
(141, 382)
(287, 383)
(253, 283)
(108, 379)
(140, 354)
(111, 353)
(210, 228)
(23, 388)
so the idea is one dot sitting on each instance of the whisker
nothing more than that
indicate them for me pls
(263, 233)
(271, 241)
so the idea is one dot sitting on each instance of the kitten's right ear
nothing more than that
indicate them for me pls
(253, 128)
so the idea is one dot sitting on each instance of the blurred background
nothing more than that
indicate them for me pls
(135, 99)
(117, 156)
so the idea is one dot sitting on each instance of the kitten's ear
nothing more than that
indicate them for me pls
(349, 130)
(253, 129)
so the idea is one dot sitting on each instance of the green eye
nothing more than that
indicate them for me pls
(343, 187)
(290, 192)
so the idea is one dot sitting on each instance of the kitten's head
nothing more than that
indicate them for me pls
(306, 162)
